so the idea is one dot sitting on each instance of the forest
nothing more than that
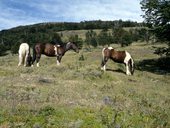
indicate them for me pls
(112, 32)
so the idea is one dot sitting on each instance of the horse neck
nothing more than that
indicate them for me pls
(65, 47)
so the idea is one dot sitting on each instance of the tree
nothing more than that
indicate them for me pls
(143, 34)
(126, 39)
(15, 47)
(104, 38)
(157, 16)
(56, 39)
(121, 36)
(77, 40)
(2, 49)
(91, 38)
(117, 33)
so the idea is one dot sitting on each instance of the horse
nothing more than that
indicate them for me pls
(119, 57)
(24, 55)
(51, 50)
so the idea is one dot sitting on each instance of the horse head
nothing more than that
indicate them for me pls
(73, 46)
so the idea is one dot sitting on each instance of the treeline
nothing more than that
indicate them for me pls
(46, 32)
(117, 35)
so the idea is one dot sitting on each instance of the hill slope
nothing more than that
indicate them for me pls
(78, 94)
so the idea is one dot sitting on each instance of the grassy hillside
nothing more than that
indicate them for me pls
(81, 33)
(77, 94)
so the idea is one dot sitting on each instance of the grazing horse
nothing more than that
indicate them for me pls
(119, 57)
(24, 55)
(60, 50)
(52, 51)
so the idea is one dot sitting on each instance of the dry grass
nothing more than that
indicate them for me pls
(78, 94)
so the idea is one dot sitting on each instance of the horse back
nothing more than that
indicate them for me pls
(49, 50)
(45, 48)
(24, 48)
(117, 56)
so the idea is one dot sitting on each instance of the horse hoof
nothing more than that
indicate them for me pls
(128, 74)
(102, 68)
(38, 65)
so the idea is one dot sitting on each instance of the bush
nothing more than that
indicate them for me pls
(46, 111)
(164, 63)
(2, 49)
(15, 48)
(126, 39)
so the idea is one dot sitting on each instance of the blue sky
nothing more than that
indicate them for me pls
(25, 12)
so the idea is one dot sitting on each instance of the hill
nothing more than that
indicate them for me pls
(45, 32)
(78, 94)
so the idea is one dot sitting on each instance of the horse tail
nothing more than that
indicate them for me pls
(34, 55)
(131, 65)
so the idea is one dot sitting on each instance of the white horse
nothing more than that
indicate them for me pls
(24, 55)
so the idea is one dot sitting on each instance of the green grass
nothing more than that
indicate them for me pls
(77, 94)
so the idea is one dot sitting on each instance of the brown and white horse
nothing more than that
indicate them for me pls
(119, 57)
(52, 51)
(24, 55)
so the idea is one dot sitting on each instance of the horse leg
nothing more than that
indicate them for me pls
(58, 63)
(38, 59)
(103, 64)
(34, 56)
(131, 66)
(59, 60)
(20, 60)
(25, 60)
(128, 62)
(127, 69)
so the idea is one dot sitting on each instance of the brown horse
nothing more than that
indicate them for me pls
(52, 51)
(119, 57)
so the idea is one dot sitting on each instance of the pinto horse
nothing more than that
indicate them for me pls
(119, 57)
(52, 51)
(24, 55)
(60, 50)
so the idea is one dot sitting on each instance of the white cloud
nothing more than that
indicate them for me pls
(18, 12)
